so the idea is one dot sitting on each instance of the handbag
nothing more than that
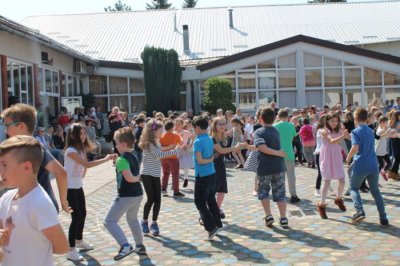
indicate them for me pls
(108, 137)
(251, 163)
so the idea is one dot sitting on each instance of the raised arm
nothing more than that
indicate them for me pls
(78, 159)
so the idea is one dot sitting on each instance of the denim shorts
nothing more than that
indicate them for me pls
(277, 182)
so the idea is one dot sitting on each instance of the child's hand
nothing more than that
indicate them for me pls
(65, 206)
(346, 133)
(5, 235)
(171, 147)
(281, 153)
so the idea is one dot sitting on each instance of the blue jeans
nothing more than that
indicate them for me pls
(355, 182)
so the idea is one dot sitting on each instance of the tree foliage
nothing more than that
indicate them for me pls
(217, 94)
(118, 6)
(162, 78)
(189, 3)
(158, 4)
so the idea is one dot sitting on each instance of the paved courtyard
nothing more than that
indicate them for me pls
(245, 240)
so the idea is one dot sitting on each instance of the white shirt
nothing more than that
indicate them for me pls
(74, 170)
(248, 131)
(319, 141)
(381, 145)
(30, 215)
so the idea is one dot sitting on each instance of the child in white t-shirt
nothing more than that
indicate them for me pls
(28, 218)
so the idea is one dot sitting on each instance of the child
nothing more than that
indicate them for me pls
(308, 141)
(151, 171)
(270, 167)
(27, 212)
(331, 161)
(364, 166)
(130, 195)
(76, 164)
(287, 132)
(381, 146)
(320, 127)
(204, 188)
(170, 164)
(186, 158)
(237, 133)
(220, 141)
(20, 119)
(140, 122)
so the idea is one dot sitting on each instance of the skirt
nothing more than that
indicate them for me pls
(186, 160)
(251, 162)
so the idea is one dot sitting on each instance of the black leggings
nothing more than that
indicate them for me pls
(396, 155)
(76, 200)
(152, 186)
(319, 178)
(382, 160)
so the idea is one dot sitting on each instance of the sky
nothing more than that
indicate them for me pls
(19, 9)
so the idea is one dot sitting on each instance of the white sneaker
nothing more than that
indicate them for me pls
(255, 193)
(73, 255)
(84, 245)
(317, 193)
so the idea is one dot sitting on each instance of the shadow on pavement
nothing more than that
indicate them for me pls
(242, 253)
(373, 227)
(253, 234)
(190, 251)
(309, 239)
(145, 260)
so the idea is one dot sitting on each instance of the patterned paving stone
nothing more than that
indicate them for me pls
(245, 240)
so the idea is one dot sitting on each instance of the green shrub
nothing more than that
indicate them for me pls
(218, 94)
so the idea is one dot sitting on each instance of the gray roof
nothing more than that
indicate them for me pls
(122, 36)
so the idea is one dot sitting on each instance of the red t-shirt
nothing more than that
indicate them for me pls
(169, 138)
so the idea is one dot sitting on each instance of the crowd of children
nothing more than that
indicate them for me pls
(149, 149)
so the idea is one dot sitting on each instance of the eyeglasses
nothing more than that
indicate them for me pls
(221, 124)
(12, 124)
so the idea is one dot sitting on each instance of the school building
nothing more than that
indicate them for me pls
(295, 55)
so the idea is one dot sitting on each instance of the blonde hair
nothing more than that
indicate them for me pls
(24, 149)
(213, 130)
(148, 136)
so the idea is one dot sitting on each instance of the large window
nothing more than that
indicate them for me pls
(247, 80)
(98, 84)
(20, 81)
(137, 104)
(118, 85)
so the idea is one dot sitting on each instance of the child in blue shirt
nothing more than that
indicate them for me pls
(204, 188)
(364, 166)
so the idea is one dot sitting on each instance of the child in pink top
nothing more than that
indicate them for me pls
(308, 140)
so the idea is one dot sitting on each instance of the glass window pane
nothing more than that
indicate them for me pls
(76, 86)
(392, 93)
(137, 104)
(182, 102)
(267, 79)
(234, 97)
(119, 101)
(392, 79)
(118, 85)
(102, 102)
(70, 85)
(40, 79)
(24, 98)
(55, 82)
(333, 97)
(9, 75)
(333, 77)
(353, 76)
(314, 98)
(287, 99)
(328, 62)
(287, 61)
(247, 80)
(311, 60)
(372, 93)
(348, 64)
(16, 76)
(266, 97)
(372, 77)
(313, 78)
(228, 76)
(183, 86)
(247, 101)
(30, 85)
(354, 97)
(47, 75)
(98, 84)
(287, 78)
(137, 85)
(23, 77)
(250, 67)
(267, 64)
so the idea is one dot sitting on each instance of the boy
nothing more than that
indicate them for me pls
(170, 164)
(20, 119)
(270, 167)
(204, 188)
(130, 195)
(287, 132)
(138, 132)
(27, 211)
(364, 166)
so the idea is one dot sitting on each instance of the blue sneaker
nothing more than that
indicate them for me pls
(145, 227)
(155, 231)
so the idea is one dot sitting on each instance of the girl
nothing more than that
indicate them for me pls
(308, 141)
(186, 158)
(331, 161)
(220, 140)
(320, 127)
(237, 133)
(114, 125)
(151, 172)
(76, 164)
(394, 125)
